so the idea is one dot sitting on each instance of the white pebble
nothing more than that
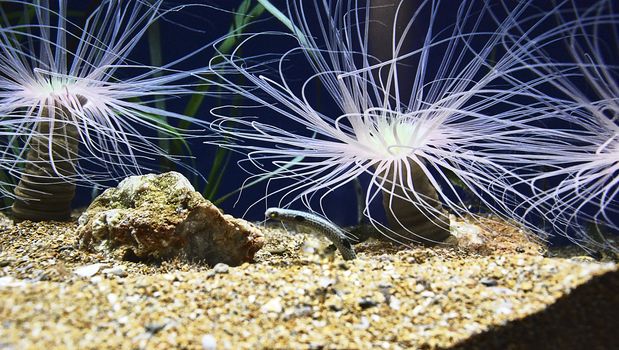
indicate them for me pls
(325, 282)
(273, 305)
(8, 281)
(88, 270)
(221, 268)
(116, 271)
(112, 298)
(394, 303)
(209, 342)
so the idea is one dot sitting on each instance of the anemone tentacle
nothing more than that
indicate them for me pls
(38, 69)
(578, 190)
(61, 80)
(463, 114)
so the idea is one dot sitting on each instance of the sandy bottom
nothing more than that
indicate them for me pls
(296, 295)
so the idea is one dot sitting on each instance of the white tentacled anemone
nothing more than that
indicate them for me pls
(55, 71)
(456, 117)
(581, 158)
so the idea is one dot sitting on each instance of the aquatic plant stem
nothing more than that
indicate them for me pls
(44, 191)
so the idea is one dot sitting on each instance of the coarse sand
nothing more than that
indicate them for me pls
(297, 295)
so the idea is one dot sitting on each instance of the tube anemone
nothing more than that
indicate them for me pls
(384, 22)
(75, 104)
(577, 191)
(460, 116)
(7, 184)
(42, 193)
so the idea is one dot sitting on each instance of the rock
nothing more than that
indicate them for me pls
(155, 327)
(395, 303)
(161, 217)
(469, 235)
(584, 318)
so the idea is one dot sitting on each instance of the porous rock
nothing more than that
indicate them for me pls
(162, 216)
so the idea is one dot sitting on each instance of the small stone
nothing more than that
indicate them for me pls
(40, 276)
(335, 304)
(154, 328)
(112, 298)
(504, 308)
(88, 270)
(489, 282)
(395, 303)
(209, 342)
(468, 234)
(363, 324)
(300, 311)
(325, 282)
(221, 268)
(118, 271)
(419, 287)
(583, 258)
(366, 303)
(273, 305)
(427, 294)
(277, 250)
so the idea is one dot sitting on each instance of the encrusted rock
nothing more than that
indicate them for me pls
(162, 216)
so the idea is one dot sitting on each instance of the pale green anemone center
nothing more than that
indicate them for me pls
(45, 86)
(57, 86)
(396, 135)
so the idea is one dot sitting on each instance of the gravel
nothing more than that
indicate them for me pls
(53, 297)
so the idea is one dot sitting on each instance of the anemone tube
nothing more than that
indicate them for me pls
(55, 96)
(383, 20)
(581, 159)
(401, 140)
(43, 193)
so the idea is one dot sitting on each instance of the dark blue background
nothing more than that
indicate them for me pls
(194, 28)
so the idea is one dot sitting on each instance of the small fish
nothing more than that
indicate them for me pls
(322, 225)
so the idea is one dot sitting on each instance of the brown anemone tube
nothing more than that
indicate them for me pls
(45, 191)
(402, 216)
(408, 223)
